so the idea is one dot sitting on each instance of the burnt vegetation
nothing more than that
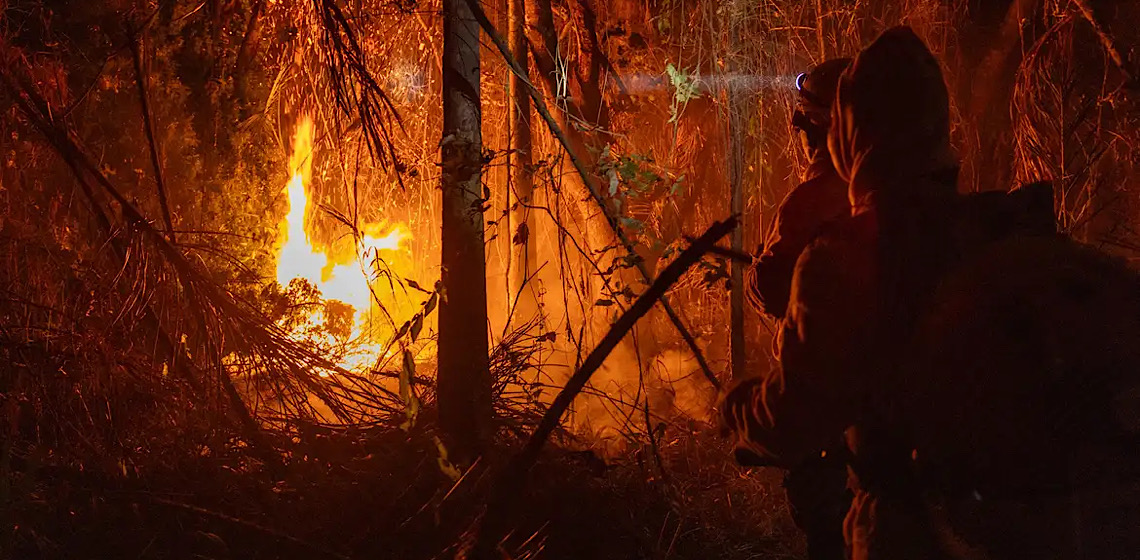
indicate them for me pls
(171, 388)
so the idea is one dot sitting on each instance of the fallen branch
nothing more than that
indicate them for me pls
(595, 192)
(510, 483)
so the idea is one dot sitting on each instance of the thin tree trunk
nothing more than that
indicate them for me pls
(736, 180)
(571, 142)
(464, 379)
(523, 303)
(991, 88)
(819, 30)
(148, 128)
(247, 51)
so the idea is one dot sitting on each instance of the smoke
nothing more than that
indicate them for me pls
(610, 415)
(644, 84)
(684, 391)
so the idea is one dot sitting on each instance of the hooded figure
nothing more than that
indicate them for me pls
(816, 488)
(987, 375)
(856, 293)
(814, 203)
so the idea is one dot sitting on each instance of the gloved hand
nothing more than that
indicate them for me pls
(738, 419)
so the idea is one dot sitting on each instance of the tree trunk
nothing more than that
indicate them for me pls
(523, 304)
(736, 182)
(464, 379)
(990, 91)
(544, 42)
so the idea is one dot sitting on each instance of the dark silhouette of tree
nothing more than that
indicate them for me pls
(464, 379)
(523, 258)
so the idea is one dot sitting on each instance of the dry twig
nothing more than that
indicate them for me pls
(587, 179)
(509, 484)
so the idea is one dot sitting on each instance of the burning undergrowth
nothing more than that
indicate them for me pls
(232, 352)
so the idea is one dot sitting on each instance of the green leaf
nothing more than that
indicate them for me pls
(431, 302)
(628, 170)
(631, 223)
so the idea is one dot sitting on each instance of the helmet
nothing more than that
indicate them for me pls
(816, 89)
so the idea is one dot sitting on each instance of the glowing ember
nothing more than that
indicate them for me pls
(339, 275)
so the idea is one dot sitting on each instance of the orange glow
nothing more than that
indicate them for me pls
(342, 274)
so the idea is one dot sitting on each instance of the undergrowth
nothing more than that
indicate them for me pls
(380, 494)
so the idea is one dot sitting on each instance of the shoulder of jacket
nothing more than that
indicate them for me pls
(827, 191)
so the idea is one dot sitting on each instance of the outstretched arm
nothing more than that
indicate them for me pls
(802, 407)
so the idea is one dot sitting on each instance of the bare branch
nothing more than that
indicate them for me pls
(513, 476)
(588, 180)
(148, 127)
(355, 90)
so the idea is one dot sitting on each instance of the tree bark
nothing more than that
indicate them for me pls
(571, 143)
(523, 303)
(464, 380)
(737, 351)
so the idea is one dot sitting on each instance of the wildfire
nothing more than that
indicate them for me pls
(339, 274)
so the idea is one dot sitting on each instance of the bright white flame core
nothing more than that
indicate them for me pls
(342, 276)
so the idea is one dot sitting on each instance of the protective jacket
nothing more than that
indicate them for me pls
(985, 369)
(1025, 408)
(820, 200)
(856, 293)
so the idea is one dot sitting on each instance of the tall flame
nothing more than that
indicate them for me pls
(339, 275)
(298, 259)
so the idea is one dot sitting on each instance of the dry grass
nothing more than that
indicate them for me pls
(113, 443)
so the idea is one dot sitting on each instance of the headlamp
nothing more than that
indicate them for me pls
(800, 80)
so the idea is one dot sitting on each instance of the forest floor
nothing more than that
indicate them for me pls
(383, 495)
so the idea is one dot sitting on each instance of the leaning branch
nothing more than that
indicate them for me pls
(595, 192)
(656, 292)
(509, 485)
(148, 126)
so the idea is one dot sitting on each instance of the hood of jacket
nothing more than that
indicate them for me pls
(890, 124)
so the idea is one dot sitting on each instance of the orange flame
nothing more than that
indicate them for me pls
(339, 275)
